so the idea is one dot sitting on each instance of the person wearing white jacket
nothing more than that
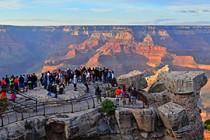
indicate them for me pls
(75, 82)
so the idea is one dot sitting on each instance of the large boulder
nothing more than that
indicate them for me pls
(174, 117)
(157, 86)
(127, 124)
(184, 82)
(134, 77)
(158, 99)
(146, 119)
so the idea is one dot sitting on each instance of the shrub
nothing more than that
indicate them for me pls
(3, 105)
(108, 107)
(207, 124)
(28, 125)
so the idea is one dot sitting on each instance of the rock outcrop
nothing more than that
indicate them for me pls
(184, 90)
(134, 77)
(33, 128)
(172, 114)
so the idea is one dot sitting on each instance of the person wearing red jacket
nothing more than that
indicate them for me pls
(118, 93)
(3, 84)
(16, 83)
(3, 94)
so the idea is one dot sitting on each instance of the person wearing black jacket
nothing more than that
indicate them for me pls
(21, 82)
(98, 94)
(133, 96)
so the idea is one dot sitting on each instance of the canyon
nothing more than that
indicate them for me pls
(26, 49)
(29, 49)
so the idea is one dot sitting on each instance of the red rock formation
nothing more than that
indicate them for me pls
(148, 40)
(93, 61)
(124, 36)
(87, 44)
(51, 68)
(70, 54)
(188, 61)
(109, 48)
(123, 42)
(154, 54)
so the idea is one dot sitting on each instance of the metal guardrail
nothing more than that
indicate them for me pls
(27, 99)
(49, 108)
(36, 108)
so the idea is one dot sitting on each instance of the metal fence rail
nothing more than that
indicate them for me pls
(49, 108)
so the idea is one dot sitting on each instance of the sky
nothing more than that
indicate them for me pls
(104, 12)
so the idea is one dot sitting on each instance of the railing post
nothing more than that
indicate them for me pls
(44, 109)
(72, 108)
(88, 104)
(93, 102)
(21, 114)
(2, 121)
(36, 105)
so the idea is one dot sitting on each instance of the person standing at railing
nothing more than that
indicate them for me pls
(129, 93)
(88, 78)
(25, 83)
(3, 94)
(84, 81)
(3, 84)
(75, 82)
(11, 82)
(16, 83)
(49, 89)
(118, 93)
(124, 95)
(133, 96)
(13, 97)
(54, 86)
(21, 83)
(61, 87)
(98, 94)
(7, 81)
(30, 81)
(34, 81)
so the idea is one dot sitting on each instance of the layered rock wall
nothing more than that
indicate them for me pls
(173, 114)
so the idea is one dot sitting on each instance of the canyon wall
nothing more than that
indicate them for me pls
(36, 49)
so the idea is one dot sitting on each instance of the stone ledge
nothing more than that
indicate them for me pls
(184, 82)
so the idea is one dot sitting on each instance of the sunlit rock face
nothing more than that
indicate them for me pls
(25, 49)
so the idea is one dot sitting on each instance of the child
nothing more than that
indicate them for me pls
(13, 97)
(124, 95)
(61, 88)
(3, 94)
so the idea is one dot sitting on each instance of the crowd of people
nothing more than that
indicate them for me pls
(22, 82)
(121, 93)
(55, 82)
(17, 83)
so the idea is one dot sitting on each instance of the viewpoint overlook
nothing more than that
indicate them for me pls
(123, 49)
(171, 111)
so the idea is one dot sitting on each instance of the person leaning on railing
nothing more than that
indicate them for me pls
(118, 93)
